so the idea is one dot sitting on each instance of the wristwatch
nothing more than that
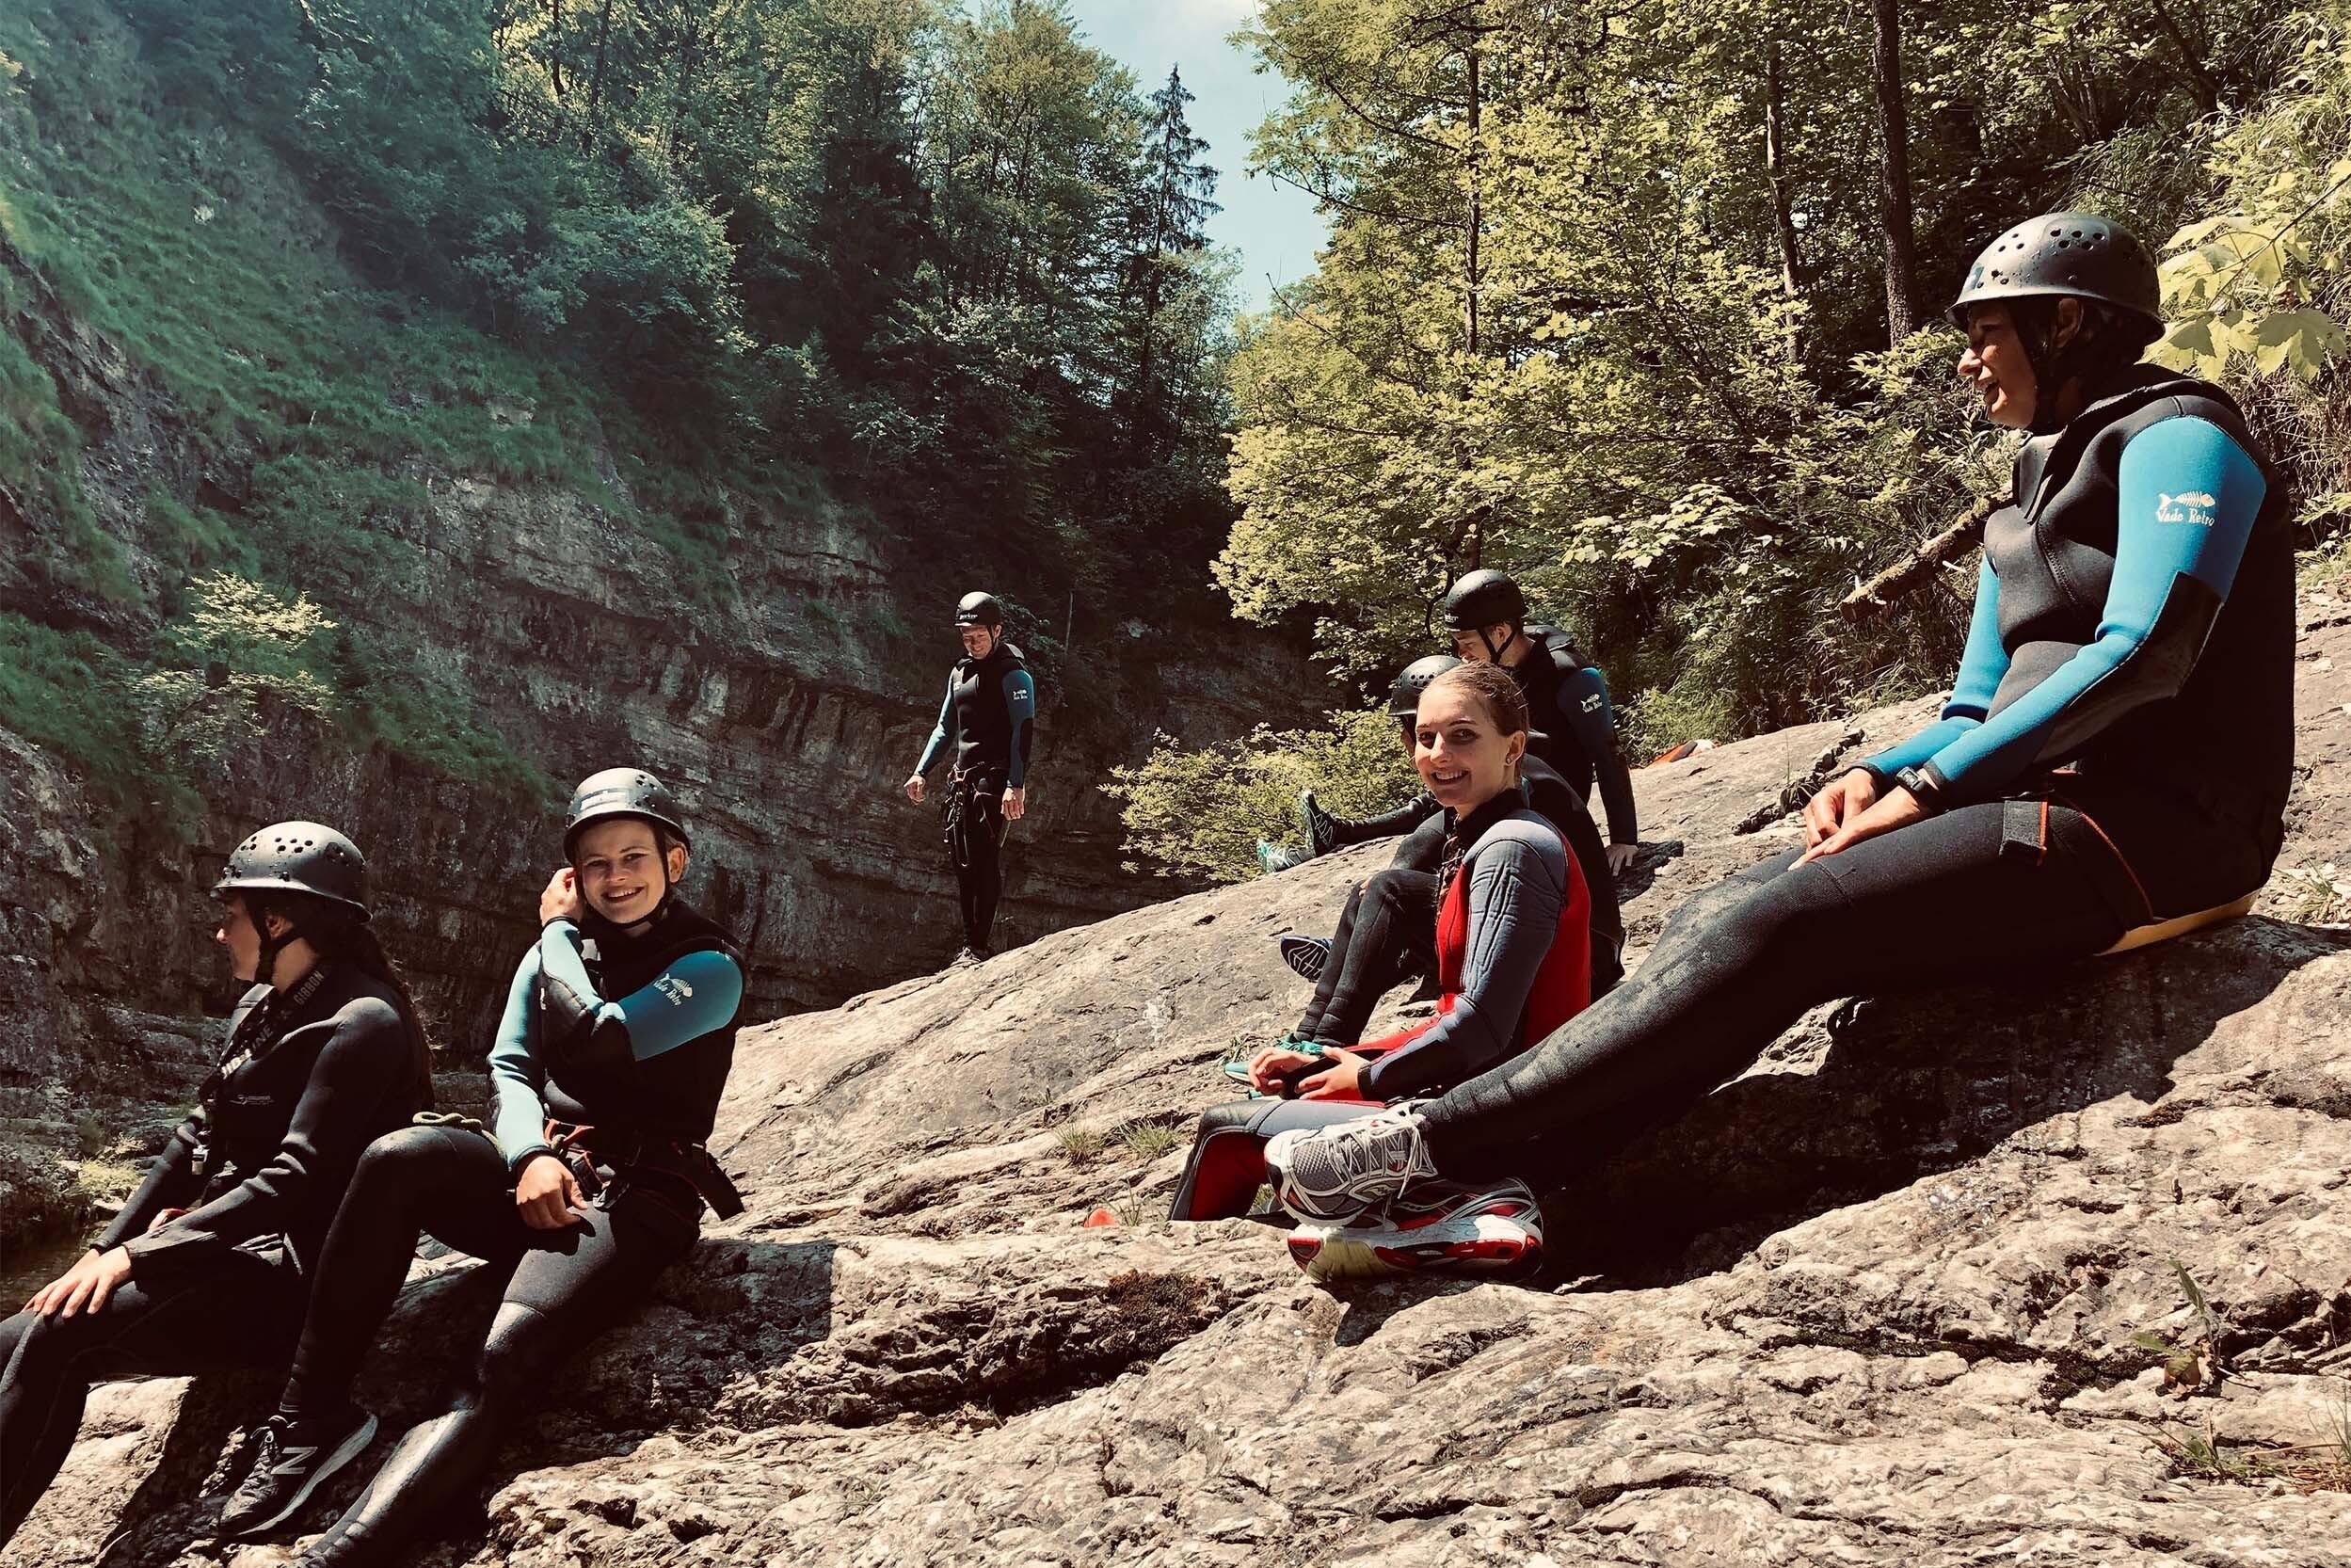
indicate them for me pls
(1923, 785)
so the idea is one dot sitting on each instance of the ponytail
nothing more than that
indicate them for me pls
(338, 937)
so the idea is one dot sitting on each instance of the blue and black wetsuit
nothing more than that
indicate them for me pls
(1575, 727)
(986, 724)
(611, 1057)
(2118, 750)
(309, 1078)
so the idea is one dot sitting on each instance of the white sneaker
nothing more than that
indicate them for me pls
(1338, 1172)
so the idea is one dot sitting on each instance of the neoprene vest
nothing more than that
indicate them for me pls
(674, 1095)
(2191, 788)
(982, 733)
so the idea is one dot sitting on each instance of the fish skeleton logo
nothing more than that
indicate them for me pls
(2195, 506)
(675, 989)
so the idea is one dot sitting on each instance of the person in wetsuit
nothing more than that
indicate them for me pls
(986, 726)
(2117, 750)
(618, 1032)
(1384, 929)
(206, 1267)
(1511, 930)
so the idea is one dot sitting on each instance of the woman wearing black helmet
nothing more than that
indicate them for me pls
(607, 1070)
(205, 1266)
(985, 724)
(2114, 758)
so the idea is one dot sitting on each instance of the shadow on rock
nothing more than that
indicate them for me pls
(1905, 1087)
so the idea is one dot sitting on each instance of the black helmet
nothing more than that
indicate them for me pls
(1484, 599)
(622, 792)
(2066, 253)
(1404, 690)
(979, 609)
(304, 857)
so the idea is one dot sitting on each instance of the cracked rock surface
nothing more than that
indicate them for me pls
(1887, 1299)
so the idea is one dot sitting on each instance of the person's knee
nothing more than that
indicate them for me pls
(518, 1349)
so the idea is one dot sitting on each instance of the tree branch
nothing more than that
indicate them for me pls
(1874, 598)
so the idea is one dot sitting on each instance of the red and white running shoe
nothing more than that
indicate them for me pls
(1435, 1227)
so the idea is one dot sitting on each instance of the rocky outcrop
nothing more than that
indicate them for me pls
(1905, 1293)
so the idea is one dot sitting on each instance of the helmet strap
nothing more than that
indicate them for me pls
(1493, 649)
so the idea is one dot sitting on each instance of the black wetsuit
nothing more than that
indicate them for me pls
(2118, 749)
(1575, 727)
(988, 720)
(308, 1081)
(633, 1043)
(1385, 933)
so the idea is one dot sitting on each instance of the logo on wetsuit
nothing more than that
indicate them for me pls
(675, 989)
(2195, 506)
(1592, 702)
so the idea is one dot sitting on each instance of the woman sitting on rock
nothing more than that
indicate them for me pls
(607, 1070)
(1512, 925)
(205, 1267)
(2116, 753)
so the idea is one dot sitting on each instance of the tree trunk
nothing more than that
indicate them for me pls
(1776, 172)
(595, 82)
(2199, 80)
(1469, 245)
(555, 48)
(1893, 166)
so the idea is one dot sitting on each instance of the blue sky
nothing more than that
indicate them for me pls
(1273, 227)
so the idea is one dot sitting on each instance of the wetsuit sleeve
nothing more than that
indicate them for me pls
(170, 1180)
(1520, 883)
(1981, 668)
(1021, 710)
(1592, 718)
(695, 995)
(936, 747)
(517, 1113)
(1388, 825)
(364, 1059)
(2189, 496)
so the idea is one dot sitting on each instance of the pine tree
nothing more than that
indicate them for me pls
(1174, 199)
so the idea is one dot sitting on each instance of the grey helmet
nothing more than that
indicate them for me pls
(2066, 253)
(621, 792)
(304, 857)
(1404, 690)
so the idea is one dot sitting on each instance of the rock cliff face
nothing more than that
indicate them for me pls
(1881, 1300)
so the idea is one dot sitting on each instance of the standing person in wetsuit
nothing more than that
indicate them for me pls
(1512, 928)
(206, 1267)
(2116, 753)
(607, 1070)
(985, 724)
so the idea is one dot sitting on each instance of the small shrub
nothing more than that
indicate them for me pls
(1150, 1140)
(1080, 1143)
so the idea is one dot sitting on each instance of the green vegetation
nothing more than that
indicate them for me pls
(1200, 813)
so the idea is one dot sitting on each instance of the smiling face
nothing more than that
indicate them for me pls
(1995, 366)
(1465, 760)
(978, 641)
(622, 871)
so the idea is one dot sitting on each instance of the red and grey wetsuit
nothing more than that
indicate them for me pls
(1514, 959)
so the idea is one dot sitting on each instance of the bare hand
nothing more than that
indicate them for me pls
(1621, 858)
(547, 1195)
(1840, 801)
(89, 1284)
(164, 1219)
(560, 899)
(916, 788)
(1269, 1066)
(1015, 803)
(1343, 1081)
(1898, 810)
